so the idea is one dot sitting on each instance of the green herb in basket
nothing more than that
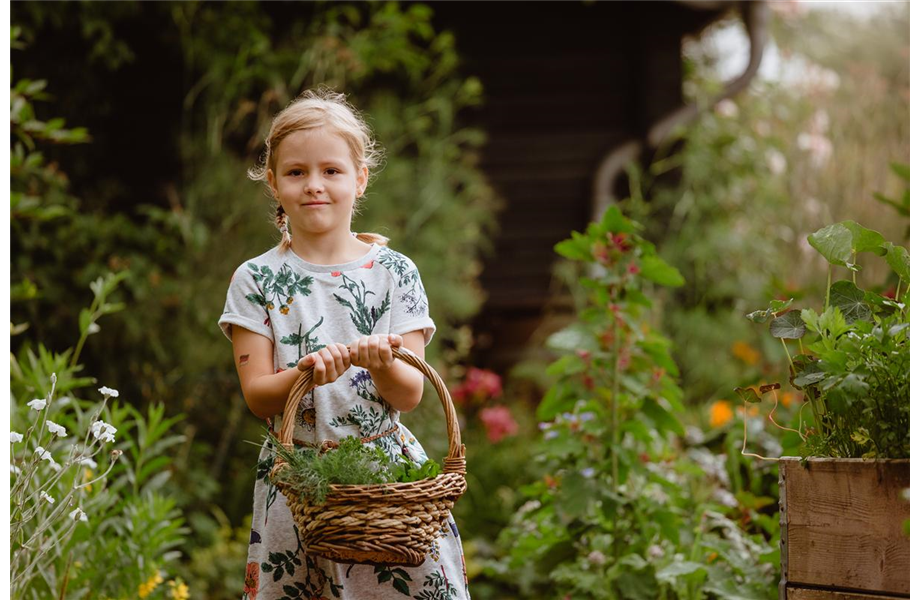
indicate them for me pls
(404, 470)
(310, 472)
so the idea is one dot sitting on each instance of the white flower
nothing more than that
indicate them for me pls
(727, 109)
(776, 162)
(15, 437)
(725, 497)
(103, 431)
(529, 506)
(47, 498)
(43, 454)
(596, 557)
(818, 145)
(93, 328)
(37, 404)
(56, 429)
(106, 391)
(88, 462)
(588, 472)
(15, 470)
(55, 466)
(693, 435)
(77, 515)
(655, 551)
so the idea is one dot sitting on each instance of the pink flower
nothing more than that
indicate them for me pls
(479, 386)
(367, 266)
(499, 423)
(483, 382)
(336, 273)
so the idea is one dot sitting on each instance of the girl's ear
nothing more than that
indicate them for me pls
(362, 180)
(270, 176)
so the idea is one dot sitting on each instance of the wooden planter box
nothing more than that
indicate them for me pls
(842, 526)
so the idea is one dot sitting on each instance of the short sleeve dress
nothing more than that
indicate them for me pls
(303, 307)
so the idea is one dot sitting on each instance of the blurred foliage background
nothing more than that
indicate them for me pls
(134, 124)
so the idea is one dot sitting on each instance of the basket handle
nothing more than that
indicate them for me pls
(453, 463)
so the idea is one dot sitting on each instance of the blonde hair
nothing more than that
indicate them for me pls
(312, 110)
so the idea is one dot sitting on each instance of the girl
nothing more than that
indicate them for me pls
(297, 306)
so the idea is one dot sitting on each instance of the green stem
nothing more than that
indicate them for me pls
(801, 347)
(789, 356)
(827, 297)
(897, 291)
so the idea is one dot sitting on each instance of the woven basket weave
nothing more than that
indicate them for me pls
(382, 524)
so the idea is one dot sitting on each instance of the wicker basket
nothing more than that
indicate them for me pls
(382, 524)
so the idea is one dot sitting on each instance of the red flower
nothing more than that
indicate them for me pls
(619, 240)
(251, 583)
(633, 268)
(336, 273)
(368, 265)
(499, 423)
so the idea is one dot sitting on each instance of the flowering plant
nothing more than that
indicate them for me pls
(87, 515)
(619, 511)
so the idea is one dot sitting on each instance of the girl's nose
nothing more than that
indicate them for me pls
(313, 185)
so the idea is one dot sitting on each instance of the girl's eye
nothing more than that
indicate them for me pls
(298, 171)
(331, 171)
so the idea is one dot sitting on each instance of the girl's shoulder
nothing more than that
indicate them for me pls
(395, 262)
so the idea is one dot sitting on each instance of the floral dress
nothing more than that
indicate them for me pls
(303, 307)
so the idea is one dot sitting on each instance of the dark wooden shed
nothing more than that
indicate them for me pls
(566, 84)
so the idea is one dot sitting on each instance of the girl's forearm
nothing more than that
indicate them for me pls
(401, 385)
(267, 395)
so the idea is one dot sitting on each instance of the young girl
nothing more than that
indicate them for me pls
(299, 305)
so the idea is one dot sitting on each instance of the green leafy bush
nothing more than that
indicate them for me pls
(855, 367)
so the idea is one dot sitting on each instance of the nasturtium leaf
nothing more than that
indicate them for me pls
(834, 242)
(780, 305)
(850, 300)
(748, 394)
(789, 326)
(866, 240)
(808, 373)
(768, 388)
(759, 316)
(899, 261)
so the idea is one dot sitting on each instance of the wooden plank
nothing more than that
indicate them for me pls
(841, 523)
(815, 594)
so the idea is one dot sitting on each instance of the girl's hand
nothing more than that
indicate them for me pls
(328, 364)
(375, 352)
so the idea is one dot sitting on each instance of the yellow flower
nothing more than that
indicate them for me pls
(720, 413)
(284, 310)
(787, 398)
(178, 590)
(146, 588)
(745, 352)
(88, 476)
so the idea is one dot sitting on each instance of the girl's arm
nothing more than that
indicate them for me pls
(401, 385)
(265, 391)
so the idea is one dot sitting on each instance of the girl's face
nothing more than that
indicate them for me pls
(316, 181)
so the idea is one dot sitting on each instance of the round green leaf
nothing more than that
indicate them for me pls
(834, 242)
(789, 326)
(899, 261)
(748, 394)
(850, 300)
